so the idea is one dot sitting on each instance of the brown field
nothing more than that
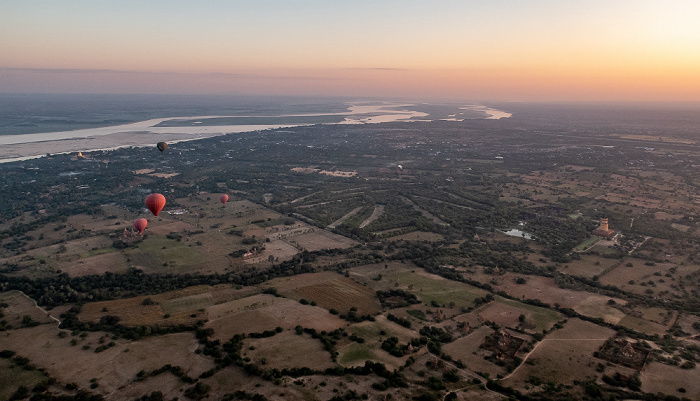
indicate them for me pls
(342, 294)
(597, 306)
(287, 350)
(657, 377)
(19, 305)
(73, 248)
(642, 325)
(329, 290)
(419, 236)
(159, 227)
(338, 173)
(537, 287)
(563, 356)
(686, 321)
(322, 239)
(586, 267)
(113, 368)
(164, 175)
(506, 312)
(642, 274)
(180, 304)
(304, 170)
(114, 262)
(262, 312)
(279, 249)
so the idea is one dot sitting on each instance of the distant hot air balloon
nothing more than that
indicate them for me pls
(161, 146)
(223, 198)
(155, 202)
(140, 224)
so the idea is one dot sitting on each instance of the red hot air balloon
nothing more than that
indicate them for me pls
(140, 224)
(223, 198)
(161, 146)
(155, 202)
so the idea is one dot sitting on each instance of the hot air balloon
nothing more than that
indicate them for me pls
(161, 146)
(155, 202)
(140, 225)
(223, 198)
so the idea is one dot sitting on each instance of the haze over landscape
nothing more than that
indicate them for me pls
(497, 50)
(368, 200)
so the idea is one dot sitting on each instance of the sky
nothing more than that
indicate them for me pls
(498, 50)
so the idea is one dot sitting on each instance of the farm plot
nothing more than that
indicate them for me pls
(262, 312)
(657, 377)
(643, 325)
(287, 350)
(431, 288)
(541, 288)
(112, 261)
(342, 294)
(355, 354)
(643, 279)
(19, 306)
(165, 227)
(134, 311)
(164, 255)
(563, 356)
(506, 312)
(186, 304)
(322, 239)
(467, 349)
(588, 266)
(597, 306)
(279, 250)
(419, 236)
(73, 249)
(114, 367)
(329, 290)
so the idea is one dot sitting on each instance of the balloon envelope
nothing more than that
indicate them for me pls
(140, 225)
(223, 198)
(155, 202)
(161, 146)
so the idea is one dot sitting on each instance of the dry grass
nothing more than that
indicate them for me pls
(262, 312)
(113, 368)
(657, 377)
(564, 356)
(287, 350)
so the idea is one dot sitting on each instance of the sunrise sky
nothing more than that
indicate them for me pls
(513, 50)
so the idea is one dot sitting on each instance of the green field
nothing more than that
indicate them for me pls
(155, 251)
(355, 353)
(12, 376)
(642, 325)
(587, 243)
(188, 303)
(543, 318)
(442, 291)
(97, 252)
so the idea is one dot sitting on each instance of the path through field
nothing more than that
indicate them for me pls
(347, 216)
(378, 210)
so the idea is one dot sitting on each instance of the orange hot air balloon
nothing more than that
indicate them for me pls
(155, 202)
(140, 224)
(223, 198)
(161, 146)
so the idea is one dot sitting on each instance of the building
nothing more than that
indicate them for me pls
(603, 230)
